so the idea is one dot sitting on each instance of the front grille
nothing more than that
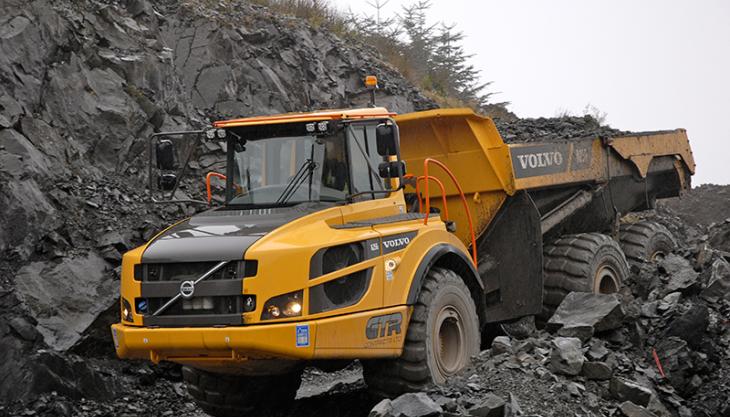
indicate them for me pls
(217, 300)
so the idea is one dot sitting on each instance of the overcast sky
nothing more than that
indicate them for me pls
(648, 64)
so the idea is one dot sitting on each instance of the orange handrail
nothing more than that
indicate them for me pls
(463, 199)
(207, 183)
(418, 193)
(443, 193)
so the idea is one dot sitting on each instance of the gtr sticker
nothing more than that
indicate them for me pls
(384, 326)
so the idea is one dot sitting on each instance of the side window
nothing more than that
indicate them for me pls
(362, 178)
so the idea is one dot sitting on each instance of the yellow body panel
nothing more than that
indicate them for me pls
(283, 257)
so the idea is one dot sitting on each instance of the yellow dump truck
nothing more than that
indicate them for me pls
(391, 239)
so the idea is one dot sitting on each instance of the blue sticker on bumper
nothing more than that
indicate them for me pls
(302, 335)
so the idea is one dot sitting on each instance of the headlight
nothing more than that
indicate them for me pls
(283, 306)
(126, 311)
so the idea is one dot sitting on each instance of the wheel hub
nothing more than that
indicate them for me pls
(606, 281)
(449, 342)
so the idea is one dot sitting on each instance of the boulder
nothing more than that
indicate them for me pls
(630, 409)
(567, 357)
(625, 390)
(413, 405)
(580, 314)
(718, 287)
(66, 297)
(691, 325)
(490, 406)
(501, 344)
(597, 371)
(680, 275)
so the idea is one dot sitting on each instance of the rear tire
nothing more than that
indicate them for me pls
(586, 262)
(223, 395)
(442, 336)
(646, 241)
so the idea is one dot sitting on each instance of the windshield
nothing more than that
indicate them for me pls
(290, 170)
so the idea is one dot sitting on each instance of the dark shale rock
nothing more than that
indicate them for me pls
(491, 406)
(718, 288)
(580, 314)
(566, 357)
(597, 371)
(630, 409)
(691, 325)
(66, 297)
(625, 390)
(414, 405)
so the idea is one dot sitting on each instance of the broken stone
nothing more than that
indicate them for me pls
(414, 405)
(24, 328)
(625, 390)
(580, 311)
(597, 371)
(681, 276)
(630, 409)
(718, 288)
(669, 302)
(691, 325)
(566, 357)
(491, 406)
(382, 409)
(501, 344)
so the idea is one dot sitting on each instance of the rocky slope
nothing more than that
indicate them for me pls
(82, 84)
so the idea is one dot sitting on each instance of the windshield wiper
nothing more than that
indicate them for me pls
(371, 169)
(304, 172)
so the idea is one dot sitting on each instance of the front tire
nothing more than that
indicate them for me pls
(223, 395)
(442, 336)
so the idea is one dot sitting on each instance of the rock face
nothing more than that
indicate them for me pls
(82, 85)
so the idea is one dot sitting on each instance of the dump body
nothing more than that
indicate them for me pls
(635, 169)
(522, 196)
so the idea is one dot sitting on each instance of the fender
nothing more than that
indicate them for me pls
(438, 253)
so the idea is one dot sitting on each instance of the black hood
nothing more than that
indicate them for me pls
(221, 234)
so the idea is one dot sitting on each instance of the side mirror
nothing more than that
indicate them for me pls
(165, 155)
(385, 138)
(393, 169)
(166, 182)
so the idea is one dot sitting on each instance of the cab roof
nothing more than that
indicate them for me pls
(365, 113)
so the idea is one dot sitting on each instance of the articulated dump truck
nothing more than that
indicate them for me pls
(396, 240)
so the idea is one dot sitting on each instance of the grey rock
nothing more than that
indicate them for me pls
(24, 328)
(566, 357)
(681, 276)
(501, 344)
(580, 311)
(691, 325)
(414, 405)
(382, 409)
(490, 406)
(718, 288)
(630, 409)
(76, 291)
(582, 332)
(625, 390)
(597, 371)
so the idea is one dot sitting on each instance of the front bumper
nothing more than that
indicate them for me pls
(342, 337)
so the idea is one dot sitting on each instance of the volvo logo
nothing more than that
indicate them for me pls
(540, 160)
(187, 289)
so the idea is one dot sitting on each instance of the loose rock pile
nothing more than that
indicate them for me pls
(659, 348)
